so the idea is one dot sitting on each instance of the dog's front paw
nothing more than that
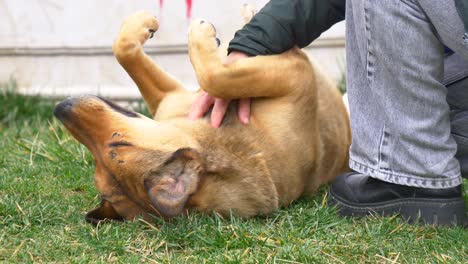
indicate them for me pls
(135, 31)
(202, 28)
(202, 32)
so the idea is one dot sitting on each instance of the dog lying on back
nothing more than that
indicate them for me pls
(297, 139)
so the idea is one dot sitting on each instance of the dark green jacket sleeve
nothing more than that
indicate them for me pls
(282, 24)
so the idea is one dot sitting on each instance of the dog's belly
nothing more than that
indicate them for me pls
(283, 133)
(288, 136)
(283, 125)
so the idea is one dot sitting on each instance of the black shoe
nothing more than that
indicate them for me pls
(356, 194)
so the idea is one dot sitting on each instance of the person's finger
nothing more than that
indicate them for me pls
(243, 111)
(201, 105)
(219, 110)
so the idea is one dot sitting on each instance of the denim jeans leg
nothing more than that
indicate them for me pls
(456, 80)
(400, 118)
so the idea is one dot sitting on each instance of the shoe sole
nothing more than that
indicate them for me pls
(438, 212)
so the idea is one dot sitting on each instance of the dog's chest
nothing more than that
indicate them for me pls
(175, 105)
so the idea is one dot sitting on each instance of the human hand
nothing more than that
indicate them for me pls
(204, 101)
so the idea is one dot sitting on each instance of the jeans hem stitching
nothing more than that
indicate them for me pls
(398, 178)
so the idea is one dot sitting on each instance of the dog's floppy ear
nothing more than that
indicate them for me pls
(102, 213)
(170, 187)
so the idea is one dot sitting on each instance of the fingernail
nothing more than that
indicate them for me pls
(215, 123)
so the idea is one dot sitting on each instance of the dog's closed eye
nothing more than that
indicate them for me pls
(120, 144)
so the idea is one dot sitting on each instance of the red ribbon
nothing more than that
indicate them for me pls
(189, 8)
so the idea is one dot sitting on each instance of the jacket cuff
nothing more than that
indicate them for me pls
(257, 39)
(247, 50)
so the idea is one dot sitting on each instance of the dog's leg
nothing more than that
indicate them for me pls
(151, 80)
(261, 76)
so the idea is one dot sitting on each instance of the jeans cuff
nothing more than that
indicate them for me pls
(408, 180)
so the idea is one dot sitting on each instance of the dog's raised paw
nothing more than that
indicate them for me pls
(203, 28)
(203, 34)
(140, 25)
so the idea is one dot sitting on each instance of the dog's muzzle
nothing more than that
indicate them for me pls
(63, 109)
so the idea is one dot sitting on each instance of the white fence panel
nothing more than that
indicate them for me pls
(63, 47)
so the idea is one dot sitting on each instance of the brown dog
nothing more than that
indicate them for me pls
(297, 139)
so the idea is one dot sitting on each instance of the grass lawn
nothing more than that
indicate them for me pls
(46, 187)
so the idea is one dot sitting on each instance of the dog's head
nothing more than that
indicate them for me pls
(142, 167)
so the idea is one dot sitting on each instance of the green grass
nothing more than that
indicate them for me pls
(46, 187)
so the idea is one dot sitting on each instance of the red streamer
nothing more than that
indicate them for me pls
(189, 8)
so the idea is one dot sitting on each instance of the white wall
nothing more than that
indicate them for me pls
(63, 47)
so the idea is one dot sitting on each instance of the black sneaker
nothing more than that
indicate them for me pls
(355, 194)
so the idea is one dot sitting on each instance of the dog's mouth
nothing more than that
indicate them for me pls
(92, 120)
(64, 110)
(119, 109)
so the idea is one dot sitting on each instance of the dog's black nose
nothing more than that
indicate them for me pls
(62, 110)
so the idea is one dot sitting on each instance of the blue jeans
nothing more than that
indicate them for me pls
(408, 127)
